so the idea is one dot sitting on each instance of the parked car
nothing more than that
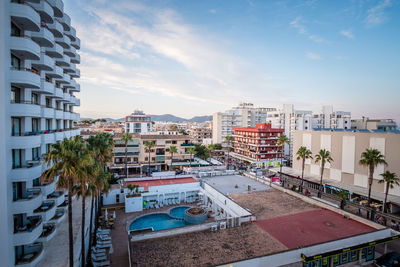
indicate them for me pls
(391, 259)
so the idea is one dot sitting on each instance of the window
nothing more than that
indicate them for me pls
(36, 182)
(48, 102)
(15, 31)
(58, 124)
(35, 124)
(15, 126)
(35, 99)
(35, 153)
(48, 146)
(15, 62)
(48, 124)
(17, 191)
(15, 94)
(117, 198)
(16, 158)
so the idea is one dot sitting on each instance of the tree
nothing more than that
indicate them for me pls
(391, 179)
(211, 148)
(371, 158)
(217, 146)
(282, 140)
(201, 151)
(148, 146)
(228, 140)
(302, 154)
(126, 137)
(172, 150)
(68, 161)
(133, 188)
(191, 151)
(323, 156)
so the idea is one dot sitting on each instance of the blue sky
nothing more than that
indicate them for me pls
(197, 57)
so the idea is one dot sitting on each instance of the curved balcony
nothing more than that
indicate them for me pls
(45, 63)
(75, 116)
(49, 231)
(26, 173)
(56, 73)
(67, 133)
(47, 210)
(58, 7)
(24, 78)
(49, 137)
(67, 97)
(28, 232)
(58, 93)
(59, 114)
(24, 47)
(25, 17)
(47, 187)
(75, 132)
(76, 74)
(33, 254)
(71, 84)
(71, 68)
(47, 112)
(66, 22)
(67, 115)
(70, 51)
(56, 28)
(76, 88)
(31, 201)
(44, 38)
(75, 101)
(55, 52)
(64, 41)
(24, 109)
(45, 10)
(76, 43)
(63, 61)
(59, 136)
(57, 196)
(59, 216)
(76, 59)
(27, 140)
(71, 34)
(47, 87)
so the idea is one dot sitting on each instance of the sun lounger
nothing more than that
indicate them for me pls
(105, 242)
(103, 246)
(98, 250)
(101, 263)
(99, 257)
(104, 238)
(106, 231)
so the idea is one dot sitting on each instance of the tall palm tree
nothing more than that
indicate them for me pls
(323, 156)
(67, 161)
(371, 158)
(126, 137)
(191, 151)
(172, 150)
(282, 140)
(148, 146)
(391, 179)
(228, 140)
(302, 154)
(211, 148)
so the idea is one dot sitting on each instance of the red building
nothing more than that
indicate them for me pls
(257, 144)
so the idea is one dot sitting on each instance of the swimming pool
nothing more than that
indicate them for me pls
(161, 221)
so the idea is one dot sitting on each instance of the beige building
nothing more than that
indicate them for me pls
(374, 124)
(346, 148)
(160, 157)
(197, 135)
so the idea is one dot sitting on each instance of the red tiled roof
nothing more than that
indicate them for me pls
(147, 183)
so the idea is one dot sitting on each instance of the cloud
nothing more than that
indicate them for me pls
(347, 33)
(298, 24)
(313, 56)
(376, 14)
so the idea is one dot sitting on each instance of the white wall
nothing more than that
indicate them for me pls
(133, 204)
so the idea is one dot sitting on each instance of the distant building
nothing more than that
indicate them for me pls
(374, 124)
(245, 115)
(257, 144)
(138, 122)
(197, 135)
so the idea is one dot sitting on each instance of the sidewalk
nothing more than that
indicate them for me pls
(351, 188)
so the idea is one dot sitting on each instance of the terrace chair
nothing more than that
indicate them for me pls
(101, 263)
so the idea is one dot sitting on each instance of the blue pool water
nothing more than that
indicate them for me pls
(179, 212)
(158, 221)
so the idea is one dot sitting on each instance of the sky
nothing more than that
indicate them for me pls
(193, 58)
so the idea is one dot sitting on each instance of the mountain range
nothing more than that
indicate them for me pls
(165, 117)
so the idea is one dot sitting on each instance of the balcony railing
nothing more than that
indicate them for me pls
(31, 253)
(33, 223)
(46, 205)
(48, 229)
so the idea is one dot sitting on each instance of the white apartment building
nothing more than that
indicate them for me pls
(292, 120)
(366, 123)
(37, 86)
(245, 115)
(138, 122)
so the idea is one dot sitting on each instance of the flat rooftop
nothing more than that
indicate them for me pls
(147, 183)
(235, 184)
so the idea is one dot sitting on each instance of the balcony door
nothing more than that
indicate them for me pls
(15, 126)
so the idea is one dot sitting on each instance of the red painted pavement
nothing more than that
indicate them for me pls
(147, 183)
(311, 227)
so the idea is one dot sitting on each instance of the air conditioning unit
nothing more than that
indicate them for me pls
(214, 227)
(222, 225)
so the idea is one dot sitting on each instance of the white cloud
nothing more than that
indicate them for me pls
(298, 24)
(313, 56)
(347, 33)
(376, 14)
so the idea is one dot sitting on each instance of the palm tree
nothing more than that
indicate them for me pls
(282, 140)
(391, 179)
(325, 157)
(371, 158)
(303, 153)
(148, 146)
(172, 150)
(211, 148)
(229, 139)
(126, 137)
(191, 151)
(68, 161)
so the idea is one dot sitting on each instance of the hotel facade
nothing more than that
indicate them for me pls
(37, 86)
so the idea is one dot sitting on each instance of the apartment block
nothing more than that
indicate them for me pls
(200, 134)
(138, 122)
(374, 124)
(37, 85)
(245, 115)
